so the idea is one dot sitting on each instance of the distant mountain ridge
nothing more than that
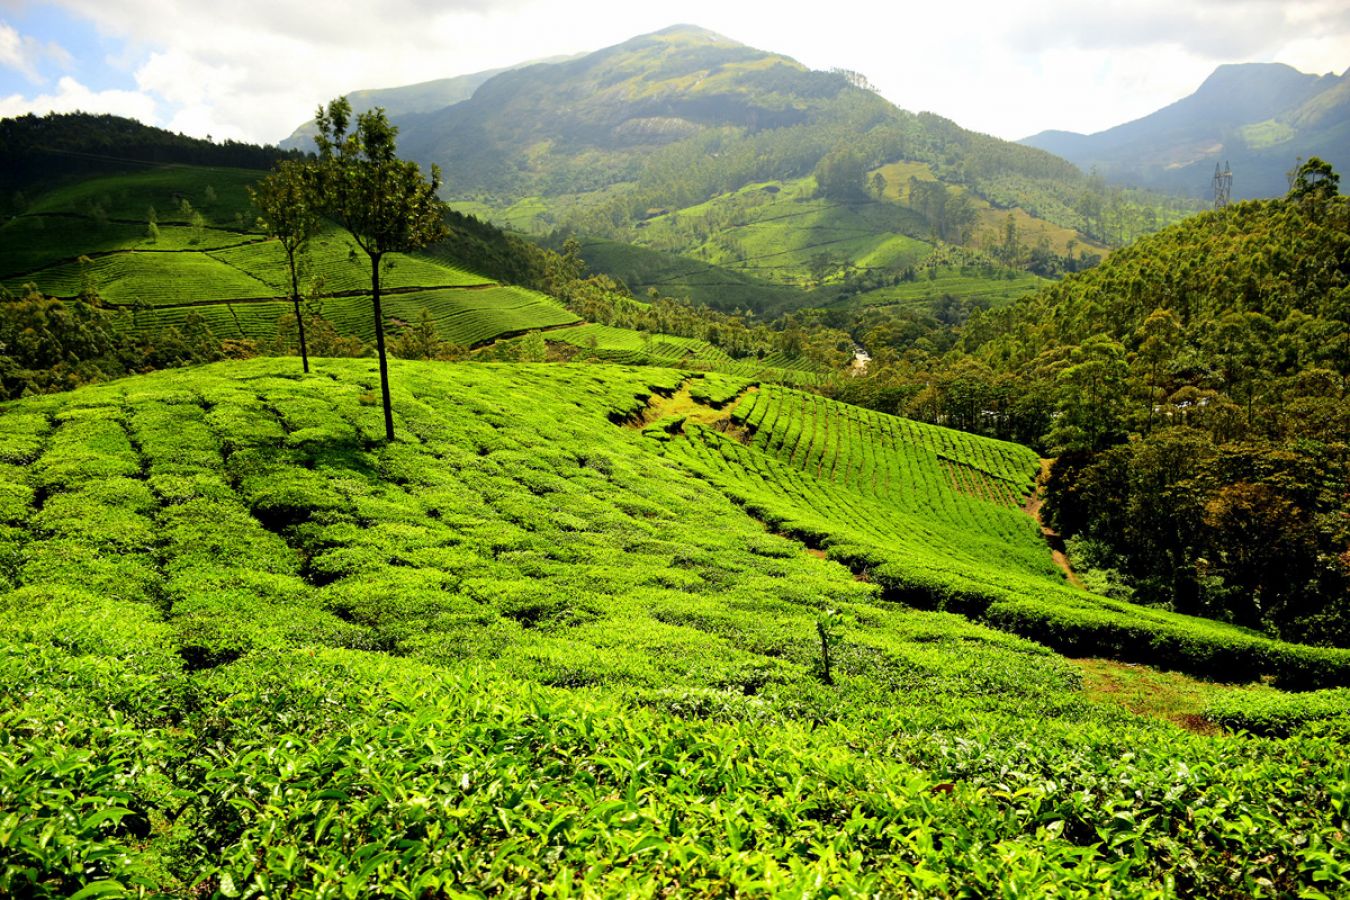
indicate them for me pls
(600, 143)
(423, 97)
(1258, 117)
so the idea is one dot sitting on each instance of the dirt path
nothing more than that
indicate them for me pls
(1146, 691)
(1056, 543)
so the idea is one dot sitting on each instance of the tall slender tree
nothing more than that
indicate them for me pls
(288, 211)
(386, 203)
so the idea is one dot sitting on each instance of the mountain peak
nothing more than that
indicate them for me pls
(1265, 78)
(691, 33)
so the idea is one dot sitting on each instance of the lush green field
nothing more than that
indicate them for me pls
(927, 292)
(230, 275)
(252, 650)
(930, 515)
(775, 231)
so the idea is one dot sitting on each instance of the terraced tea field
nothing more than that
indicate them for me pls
(228, 273)
(775, 231)
(933, 516)
(926, 294)
(252, 649)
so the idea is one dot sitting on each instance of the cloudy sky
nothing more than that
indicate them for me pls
(254, 69)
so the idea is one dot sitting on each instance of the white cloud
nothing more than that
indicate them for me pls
(1007, 68)
(1225, 31)
(71, 96)
(25, 54)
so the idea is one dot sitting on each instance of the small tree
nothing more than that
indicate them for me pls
(419, 340)
(286, 206)
(198, 222)
(1313, 184)
(1313, 178)
(386, 203)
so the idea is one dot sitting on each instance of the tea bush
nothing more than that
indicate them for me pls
(523, 650)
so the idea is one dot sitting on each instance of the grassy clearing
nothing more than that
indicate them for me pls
(775, 231)
(1170, 696)
(926, 293)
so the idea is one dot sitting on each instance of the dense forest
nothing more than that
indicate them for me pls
(38, 150)
(1194, 391)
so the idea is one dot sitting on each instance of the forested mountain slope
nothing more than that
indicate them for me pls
(686, 142)
(1194, 388)
(38, 152)
(427, 96)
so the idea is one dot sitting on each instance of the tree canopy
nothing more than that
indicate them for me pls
(385, 202)
(288, 206)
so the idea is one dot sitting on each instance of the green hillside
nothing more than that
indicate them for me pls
(693, 145)
(674, 118)
(776, 231)
(778, 246)
(1193, 388)
(670, 274)
(543, 643)
(204, 255)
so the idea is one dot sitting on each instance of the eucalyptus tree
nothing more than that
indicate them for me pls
(288, 211)
(385, 203)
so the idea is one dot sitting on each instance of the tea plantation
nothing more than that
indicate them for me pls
(180, 240)
(624, 345)
(556, 640)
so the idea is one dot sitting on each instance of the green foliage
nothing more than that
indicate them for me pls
(1314, 181)
(840, 175)
(931, 516)
(1277, 715)
(288, 207)
(523, 649)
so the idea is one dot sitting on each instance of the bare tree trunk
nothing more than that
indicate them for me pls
(379, 346)
(299, 319)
